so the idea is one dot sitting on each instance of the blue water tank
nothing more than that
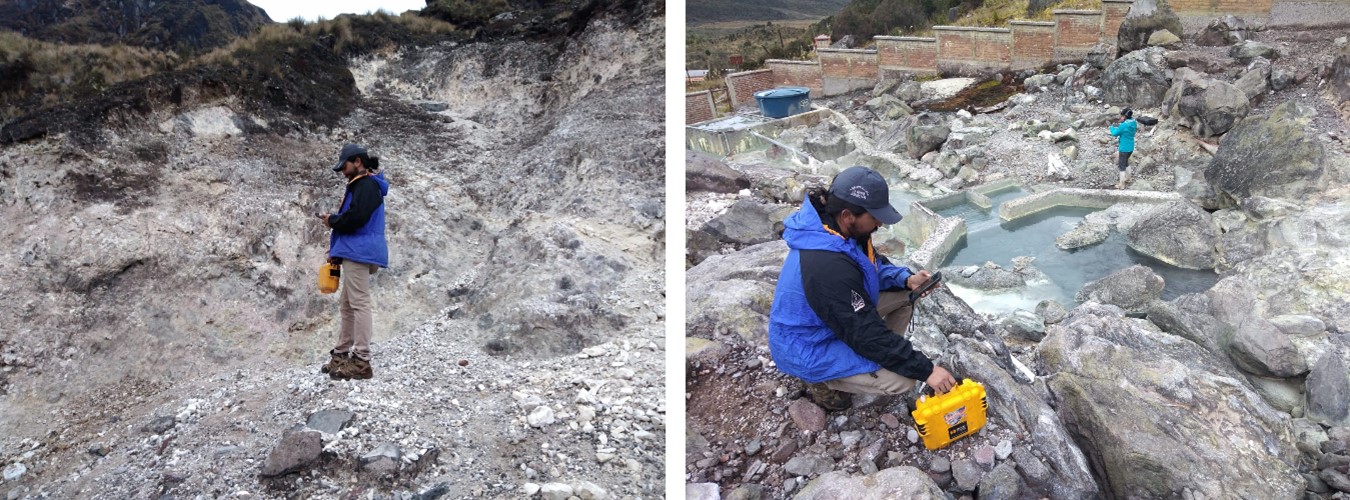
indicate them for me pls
(783, 102)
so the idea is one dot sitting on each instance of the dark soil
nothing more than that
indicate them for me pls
(984, 95)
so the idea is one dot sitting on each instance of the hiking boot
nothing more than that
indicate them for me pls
(827, 398)
(334, 365)
(358, 369)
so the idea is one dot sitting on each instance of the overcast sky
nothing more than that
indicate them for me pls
(285, 10)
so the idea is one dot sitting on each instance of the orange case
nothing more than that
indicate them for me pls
(948, 417)
(328, 277)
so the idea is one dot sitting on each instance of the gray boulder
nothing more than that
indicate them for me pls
(699, 245)
(1298, 324)
(967, 474)
(703, 172)
(1338, 76)
(329, 421)
(747, 222)
(702, 491)
(1098, 57)
(730, 295)
(1208, 107)
(294, 452)
(1226, 30)
(1144, 18)
(1025, 325)
(1247, 50)
(1051, 312)
(1273, 155)
(920, 139)
(1254, 344)
(895, 482)
(1255, 80)
(910, 91)
(1178, 233)
(1002, 483)
(1036, 82)
(1328, 391)
(1131, 288)
(808, 466)
(889, 107)
(988, 277)
(1145, 406)
(1188, 317)
(1137, 80)
(1200, 61)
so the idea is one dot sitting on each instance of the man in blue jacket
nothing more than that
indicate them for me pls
(1125, 131)
(826, 326)
(357, 243)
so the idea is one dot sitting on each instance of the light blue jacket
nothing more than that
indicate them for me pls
(1125, 131)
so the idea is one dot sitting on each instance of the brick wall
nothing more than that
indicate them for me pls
(797, 74)
(907, 54)
(1113, 13)
(1214, 8)
(742, 86)
(1076, 31)
(846, 70)
(1033, 44)
(698, 107)
(973, 50)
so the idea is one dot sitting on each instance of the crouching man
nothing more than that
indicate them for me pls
(839, 313)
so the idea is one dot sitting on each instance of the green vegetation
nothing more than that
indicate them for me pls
(184, 26)
(701, 12)
(754, 44)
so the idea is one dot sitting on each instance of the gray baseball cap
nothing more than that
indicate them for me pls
(348, 151)
(866, 188)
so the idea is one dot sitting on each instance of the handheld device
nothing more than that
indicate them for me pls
(933, 281)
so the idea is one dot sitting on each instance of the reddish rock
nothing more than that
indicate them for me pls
(985, 455)
(890, 420)
(807, 416)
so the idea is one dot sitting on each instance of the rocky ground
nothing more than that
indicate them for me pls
(1234, 392)
(168, 335)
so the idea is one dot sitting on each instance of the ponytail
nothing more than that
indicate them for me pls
(372, 163)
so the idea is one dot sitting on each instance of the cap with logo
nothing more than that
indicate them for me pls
(348, 151)
(866, 188)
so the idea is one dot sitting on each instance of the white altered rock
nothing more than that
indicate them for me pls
(15, 471)
(540, 417)
(555, 491)
(589, 491)
(529, 489)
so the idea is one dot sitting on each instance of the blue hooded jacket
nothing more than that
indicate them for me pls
(814, 349)
(1125, 131)
(365, 243)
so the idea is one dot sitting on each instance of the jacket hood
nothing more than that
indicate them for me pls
(803, 230)
(384, 183)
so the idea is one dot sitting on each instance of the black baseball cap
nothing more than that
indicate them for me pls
(348, 151)
(866, 188)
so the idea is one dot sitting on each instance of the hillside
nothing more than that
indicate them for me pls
(180, 25)
(700, 12)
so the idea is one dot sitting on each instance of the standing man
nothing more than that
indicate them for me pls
(826, 326)
(1125, 131)
(357, 243)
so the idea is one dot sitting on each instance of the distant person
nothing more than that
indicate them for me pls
(357, 244)
(826, 326)
(1124, 129)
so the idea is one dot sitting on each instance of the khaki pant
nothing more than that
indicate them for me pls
(357, 322)
(896, 311)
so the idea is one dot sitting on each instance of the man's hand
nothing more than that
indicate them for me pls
(917, 280)
(941, 380)
(324, 219)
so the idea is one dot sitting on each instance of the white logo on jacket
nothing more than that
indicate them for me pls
(858, 303)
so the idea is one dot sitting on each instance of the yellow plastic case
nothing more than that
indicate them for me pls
(948, 417)
(328, 277)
